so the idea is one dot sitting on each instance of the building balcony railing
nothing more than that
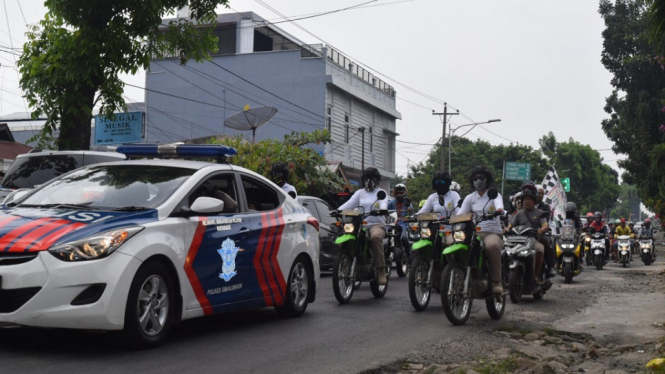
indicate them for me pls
(360, 72)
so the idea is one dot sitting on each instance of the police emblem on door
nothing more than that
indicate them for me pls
(228, 253)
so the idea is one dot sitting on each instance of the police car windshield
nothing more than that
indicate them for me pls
(112, 187)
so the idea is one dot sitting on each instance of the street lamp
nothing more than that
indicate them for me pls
(452, 131)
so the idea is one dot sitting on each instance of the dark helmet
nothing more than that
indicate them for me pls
(371, 178)
(279, 173)
(441, 182)
(598, 216)
(399, 192)
(529, 189)
(571, 207)
(483, 171)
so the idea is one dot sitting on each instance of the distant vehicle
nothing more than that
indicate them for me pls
(38, 167)
(328, 230)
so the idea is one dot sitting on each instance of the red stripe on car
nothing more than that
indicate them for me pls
(191, 274)
(9, 237)
(260, 250)
(49, 240)
(278, 240)
(30, 240)
(6, 220)
(265, 260)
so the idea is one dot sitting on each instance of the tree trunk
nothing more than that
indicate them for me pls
(75, 128)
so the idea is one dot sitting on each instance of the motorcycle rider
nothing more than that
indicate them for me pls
(530, 216)
(367, 198)
(589, 219)
(404, 209)
(279, 174)
(550, 256)
(442, 183)
(620, 230)
(598, 225)
(490, 230)
(571, 214)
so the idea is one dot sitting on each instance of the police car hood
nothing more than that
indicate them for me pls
(32, 229)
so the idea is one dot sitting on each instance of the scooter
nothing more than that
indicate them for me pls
(520, 249)
(648, 250)
(568, 254)
(623, 252)
(598, 248)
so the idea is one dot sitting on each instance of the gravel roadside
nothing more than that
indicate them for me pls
(608, 321)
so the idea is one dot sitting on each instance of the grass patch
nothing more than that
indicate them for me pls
(550, 331)
(505, 366)
(512, 328)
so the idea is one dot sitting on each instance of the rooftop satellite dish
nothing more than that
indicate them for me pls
(250, 119)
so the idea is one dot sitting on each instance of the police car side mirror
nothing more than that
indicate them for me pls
(206, 204)
(492, 193)
(381, 195)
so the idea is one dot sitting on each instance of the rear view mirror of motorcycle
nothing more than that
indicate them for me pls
(492, 193)
(381, 195)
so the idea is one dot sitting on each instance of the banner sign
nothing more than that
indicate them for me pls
(124, 128)
(555, 196)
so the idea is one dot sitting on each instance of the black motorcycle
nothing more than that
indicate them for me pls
(520, 264)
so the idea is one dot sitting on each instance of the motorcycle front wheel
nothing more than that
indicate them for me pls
(419, 291)
(402, 266)
(341, 277)
(377, 290)
(456, 305)
(624, 260)
(598, 259)
(516, 285)
(568, 272)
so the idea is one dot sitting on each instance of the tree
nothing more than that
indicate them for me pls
(657, 23)
(637, 103)
(308, 175)
(72, 60)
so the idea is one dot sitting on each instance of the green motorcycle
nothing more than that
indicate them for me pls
(355, 262)
(428, 261)
(466, 276)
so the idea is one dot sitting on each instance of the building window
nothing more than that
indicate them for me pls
(346, 128)
(371, 140)
(329, 120)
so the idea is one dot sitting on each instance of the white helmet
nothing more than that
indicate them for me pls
(454, 186)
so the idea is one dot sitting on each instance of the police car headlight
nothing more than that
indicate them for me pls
(348, 228)
(426, 232)
(94, 247)
(459, 236)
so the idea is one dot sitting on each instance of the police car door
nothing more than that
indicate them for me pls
(223, 261)
(272, 228)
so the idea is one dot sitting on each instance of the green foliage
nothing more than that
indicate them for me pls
(637, 101)
(507, 365)
(309, 174)
(657, 24)
(72, 59)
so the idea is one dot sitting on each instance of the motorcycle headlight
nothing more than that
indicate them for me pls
(523, 252)
(459, 236)
(587, 240)
(567, 246)
(425, 232)
(94, 247)
(348, 228)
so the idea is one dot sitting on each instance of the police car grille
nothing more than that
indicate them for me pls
(11, 300)
(15, 258)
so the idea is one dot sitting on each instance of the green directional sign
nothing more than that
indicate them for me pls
(566, 184)
(517, 171)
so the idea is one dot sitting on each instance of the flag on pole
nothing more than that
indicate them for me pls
(555, 196)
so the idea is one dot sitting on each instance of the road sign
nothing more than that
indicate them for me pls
(517, 171)
(124, 128)
(566, 184)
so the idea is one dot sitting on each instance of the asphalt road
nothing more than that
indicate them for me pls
(330, 338)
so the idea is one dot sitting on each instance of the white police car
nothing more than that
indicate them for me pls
(139, 245)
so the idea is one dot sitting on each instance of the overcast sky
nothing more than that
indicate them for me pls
(533, 64)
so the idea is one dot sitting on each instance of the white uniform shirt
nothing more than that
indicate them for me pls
(450, 200)
(367, 200)
(289, 188)
(474, 202)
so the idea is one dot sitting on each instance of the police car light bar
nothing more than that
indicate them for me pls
(219, 152)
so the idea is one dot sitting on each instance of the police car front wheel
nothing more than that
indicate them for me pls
(149, 309)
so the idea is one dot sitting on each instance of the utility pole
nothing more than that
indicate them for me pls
(362, 135)
(445, 115)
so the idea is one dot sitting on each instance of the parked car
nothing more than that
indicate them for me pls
(38, 167)
(328, 230)
(140, 245)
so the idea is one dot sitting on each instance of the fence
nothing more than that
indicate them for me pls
(360, 72)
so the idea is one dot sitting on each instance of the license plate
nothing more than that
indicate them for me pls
(518, 239)
(597, 252)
